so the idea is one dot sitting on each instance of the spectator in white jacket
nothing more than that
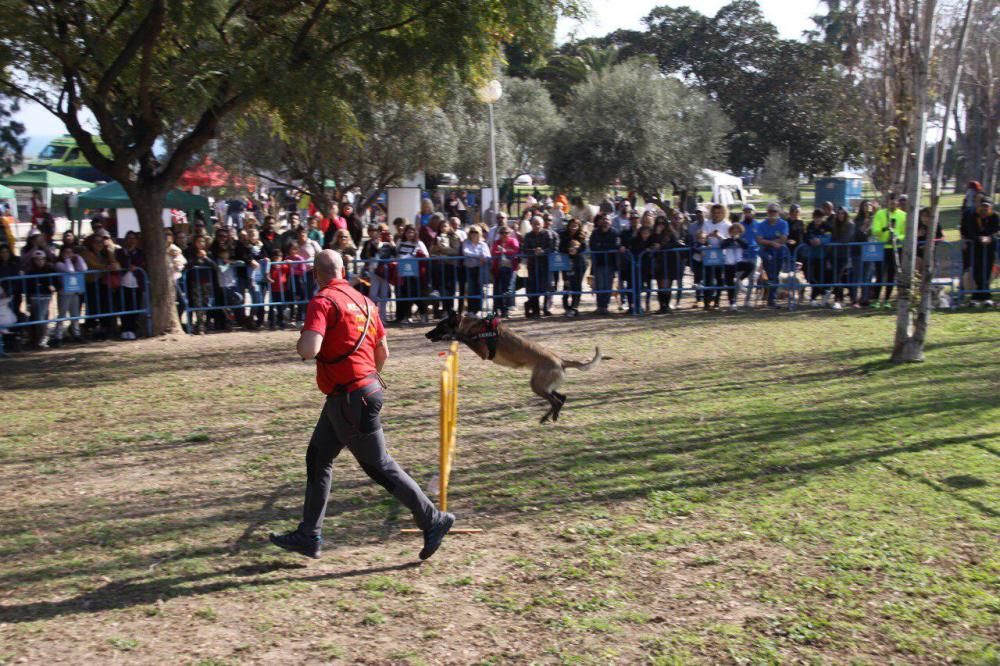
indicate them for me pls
(477, 259)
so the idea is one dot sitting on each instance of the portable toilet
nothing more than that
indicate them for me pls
(842, 189)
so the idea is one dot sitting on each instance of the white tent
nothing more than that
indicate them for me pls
(726, 189)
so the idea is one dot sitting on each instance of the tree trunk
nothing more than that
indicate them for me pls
(923, 319)
(906, 347)
(148, 204)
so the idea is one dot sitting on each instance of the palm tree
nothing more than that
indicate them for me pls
(564, 71)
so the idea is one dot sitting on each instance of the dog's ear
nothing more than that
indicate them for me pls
(454, 319)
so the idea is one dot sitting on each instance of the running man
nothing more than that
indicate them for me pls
(344, 334)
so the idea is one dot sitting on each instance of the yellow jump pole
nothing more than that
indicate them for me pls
(448, 425)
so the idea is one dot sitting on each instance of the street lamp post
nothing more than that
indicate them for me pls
(490, 94)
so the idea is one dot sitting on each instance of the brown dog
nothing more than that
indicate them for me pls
(491, 340)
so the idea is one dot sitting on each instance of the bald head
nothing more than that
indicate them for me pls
(328, 265)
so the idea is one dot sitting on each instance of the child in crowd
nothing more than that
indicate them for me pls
(202, 281)
(278, 276)
(176, 263)
(296, 289)
(68, 297)
(228, 293)
(699, 243)
(38, 288)
(258, 267)
(737, 266)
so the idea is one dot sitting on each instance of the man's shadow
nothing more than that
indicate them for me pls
(136, 592)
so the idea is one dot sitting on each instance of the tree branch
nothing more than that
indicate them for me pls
(202, 132)
(115, 16)
(380, 29)
(132, 46)
(18, 91)
(282, 183)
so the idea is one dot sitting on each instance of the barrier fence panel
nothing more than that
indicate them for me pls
(707, 274)
(978, 280)
(444, 284)
(219, 293)
(100, 302)
(861, 272)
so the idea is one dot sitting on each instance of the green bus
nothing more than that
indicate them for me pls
(62, 155)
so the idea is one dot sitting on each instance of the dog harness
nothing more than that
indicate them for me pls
(490, 334)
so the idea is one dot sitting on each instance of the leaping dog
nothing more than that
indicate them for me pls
(493, 341)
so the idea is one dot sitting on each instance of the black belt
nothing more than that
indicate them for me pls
(367, 389)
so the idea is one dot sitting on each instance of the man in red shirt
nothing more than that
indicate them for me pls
(344, 334)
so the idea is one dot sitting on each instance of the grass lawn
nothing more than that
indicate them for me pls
(728, 488)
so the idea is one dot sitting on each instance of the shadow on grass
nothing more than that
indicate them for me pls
(130, 593)
(96, 365)
(966, 482)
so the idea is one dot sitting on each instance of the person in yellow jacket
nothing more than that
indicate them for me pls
(887, 224)
(7, 231)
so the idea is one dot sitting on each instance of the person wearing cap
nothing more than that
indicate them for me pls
(796, 228)
(973, 195)
(345, 336)
(829, 210)
(494, 231)
(751, 253)
(537, 246)
(621, 221)
(604, 247)
(772, 234)
(888, 228)
(38, 287)
(979, 240)
(815, 262)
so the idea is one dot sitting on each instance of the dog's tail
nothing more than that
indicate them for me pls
(592, 363)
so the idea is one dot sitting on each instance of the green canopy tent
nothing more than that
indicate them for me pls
(47, 182)
(7, 193)
(42, 178)
(113, 195)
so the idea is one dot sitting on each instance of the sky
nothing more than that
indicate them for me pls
(791, 17)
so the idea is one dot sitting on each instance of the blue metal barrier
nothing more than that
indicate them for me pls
(221, 292)
(707, 273)
(864, 271)
(449, 283)
(976, 280)
(94, 298)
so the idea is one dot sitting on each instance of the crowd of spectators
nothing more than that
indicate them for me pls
(253, 269)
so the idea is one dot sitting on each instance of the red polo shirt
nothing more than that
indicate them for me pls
(338, 313)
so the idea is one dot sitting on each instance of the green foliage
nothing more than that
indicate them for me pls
(168, 73)
(573, 66)
(11, 133)
(777, 93)
(663, 137)
(530, 121)
(526, 124)
(779, 178)
(367, 142)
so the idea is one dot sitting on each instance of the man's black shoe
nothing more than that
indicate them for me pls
(297, 542)
(435, 534)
